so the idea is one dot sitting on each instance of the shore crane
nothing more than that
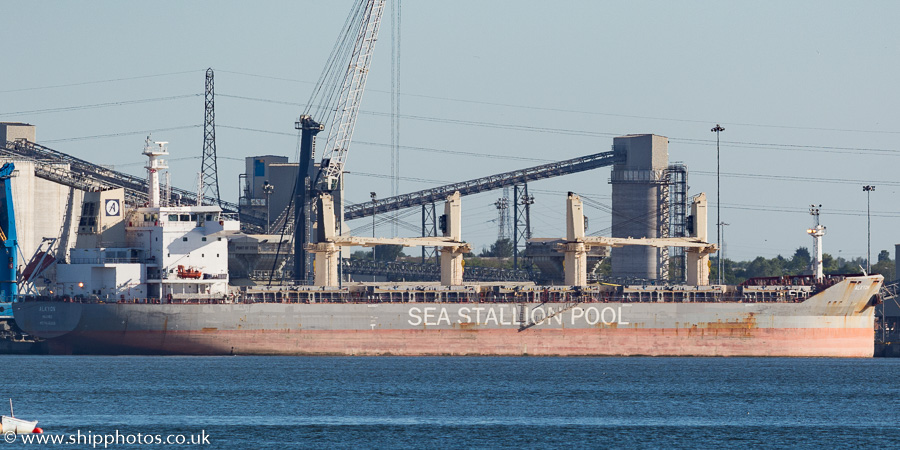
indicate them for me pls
(348, 67)
(9, 292)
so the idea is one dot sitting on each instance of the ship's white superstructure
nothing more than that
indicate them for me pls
(154, 252)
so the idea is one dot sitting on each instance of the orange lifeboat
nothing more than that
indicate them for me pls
(189, 273)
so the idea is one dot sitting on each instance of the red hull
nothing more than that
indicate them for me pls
(825, 342)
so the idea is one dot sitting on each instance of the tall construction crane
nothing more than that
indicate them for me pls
(349, 65)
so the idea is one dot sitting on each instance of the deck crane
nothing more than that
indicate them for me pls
(348, 67)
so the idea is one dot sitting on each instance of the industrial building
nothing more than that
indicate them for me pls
(649, 200)
(267, 186)
(44, 208)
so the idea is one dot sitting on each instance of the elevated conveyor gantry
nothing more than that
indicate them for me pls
(88, 176)
(478, 185)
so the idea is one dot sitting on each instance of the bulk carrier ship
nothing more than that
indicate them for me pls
(154, 280)
(474, 320)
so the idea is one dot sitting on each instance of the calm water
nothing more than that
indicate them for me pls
(273, 402)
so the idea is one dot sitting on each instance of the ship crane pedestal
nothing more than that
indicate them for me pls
(577, 244)
(327, 250)
(698, 257)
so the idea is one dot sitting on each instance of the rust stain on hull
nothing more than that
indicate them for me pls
(581, 342)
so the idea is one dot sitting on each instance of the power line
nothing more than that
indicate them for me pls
(799, 147)
(378, 175)
(593, 113)
(83, 83)
(477, 102)
(410, 147)
(124, 133)
(458, 152)
(805, 211)
(99, 105)
(575, 132)
(257, 130)
(794, 178)
(268, 77)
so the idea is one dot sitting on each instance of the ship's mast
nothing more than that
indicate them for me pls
(153, 152)
(817, 232)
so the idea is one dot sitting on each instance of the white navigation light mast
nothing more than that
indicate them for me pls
(817, 232)
(153, 150)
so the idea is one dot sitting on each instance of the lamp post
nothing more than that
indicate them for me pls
(868, 190)
(374, 204)
(718, 129)
(268, 189)
(722, 253)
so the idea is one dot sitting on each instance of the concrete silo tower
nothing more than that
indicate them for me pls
(640, 204)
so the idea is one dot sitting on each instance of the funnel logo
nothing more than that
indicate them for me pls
(113, 208)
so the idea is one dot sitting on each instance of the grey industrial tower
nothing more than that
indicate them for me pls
(640, 204)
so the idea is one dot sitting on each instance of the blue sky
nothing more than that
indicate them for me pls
(805, 90)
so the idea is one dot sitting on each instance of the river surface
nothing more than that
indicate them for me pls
(468, 402)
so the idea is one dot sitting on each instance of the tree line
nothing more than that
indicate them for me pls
(800, 263)
(735, 272)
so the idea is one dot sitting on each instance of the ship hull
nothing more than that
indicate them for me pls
(652, 342)
(837, 322)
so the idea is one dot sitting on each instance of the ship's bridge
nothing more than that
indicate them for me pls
(183, 218)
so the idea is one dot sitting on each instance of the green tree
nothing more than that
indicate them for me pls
(503, 248)
(476, 261)
(829, 264)
(361, 254)
(762, 267)
(388, 252)
(801, 261)
(885, 265)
